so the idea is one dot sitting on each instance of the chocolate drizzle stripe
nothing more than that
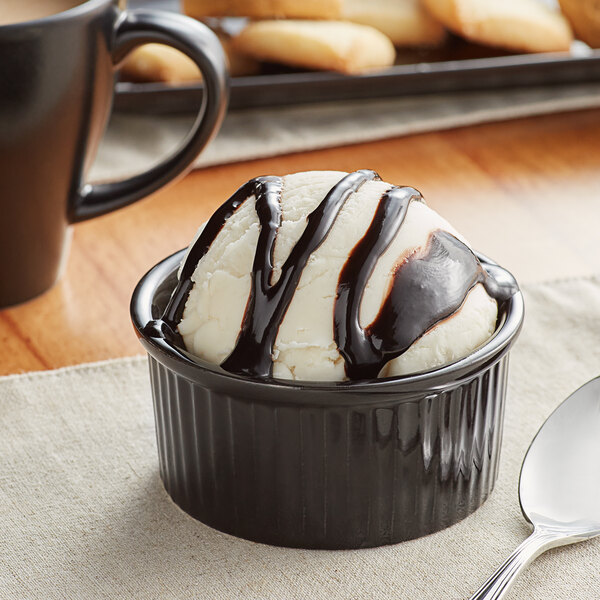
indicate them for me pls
(428, 287)
(252, 354)
(255, 187)
(354, 345)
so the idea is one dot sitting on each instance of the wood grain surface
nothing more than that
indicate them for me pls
(524, 192)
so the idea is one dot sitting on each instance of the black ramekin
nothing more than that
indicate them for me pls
(326, 465)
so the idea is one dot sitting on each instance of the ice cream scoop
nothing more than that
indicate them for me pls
(327, 276)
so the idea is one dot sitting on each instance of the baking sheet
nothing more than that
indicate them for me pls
(458, 66)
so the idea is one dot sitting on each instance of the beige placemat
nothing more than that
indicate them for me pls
(83, 513)
(134, 142)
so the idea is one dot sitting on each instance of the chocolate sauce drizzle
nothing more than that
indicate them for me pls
(261, 187)
(427, 287)
(268, 302)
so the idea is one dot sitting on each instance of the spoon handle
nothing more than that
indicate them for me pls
(499, 583)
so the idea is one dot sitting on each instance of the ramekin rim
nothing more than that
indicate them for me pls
(489, 352)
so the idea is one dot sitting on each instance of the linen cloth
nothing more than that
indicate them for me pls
(133, 142)
(83, 513)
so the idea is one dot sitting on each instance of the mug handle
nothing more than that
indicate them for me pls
(138, 27)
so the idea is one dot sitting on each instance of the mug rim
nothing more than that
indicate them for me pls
(73, 12)
(195, 368)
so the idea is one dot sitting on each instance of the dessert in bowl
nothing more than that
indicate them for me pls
(328, 363)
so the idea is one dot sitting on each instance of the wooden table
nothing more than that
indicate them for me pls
(524, 192)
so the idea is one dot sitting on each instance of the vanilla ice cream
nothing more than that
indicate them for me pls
(327, 276)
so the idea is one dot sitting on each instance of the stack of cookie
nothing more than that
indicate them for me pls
(357, 36)
(349, 36)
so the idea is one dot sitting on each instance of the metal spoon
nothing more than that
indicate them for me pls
(559, 487)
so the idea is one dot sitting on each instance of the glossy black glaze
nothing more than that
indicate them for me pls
(326, 465)
(56, 89)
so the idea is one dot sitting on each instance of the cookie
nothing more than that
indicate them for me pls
(584, 16)
(517, 25)
(264, 9)
(405, 22)
(157, 62)
(239, 64)
(322, 45)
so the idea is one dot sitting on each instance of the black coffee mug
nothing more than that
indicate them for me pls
(56, 89)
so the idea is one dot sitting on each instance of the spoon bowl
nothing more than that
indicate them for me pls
(558, 491)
